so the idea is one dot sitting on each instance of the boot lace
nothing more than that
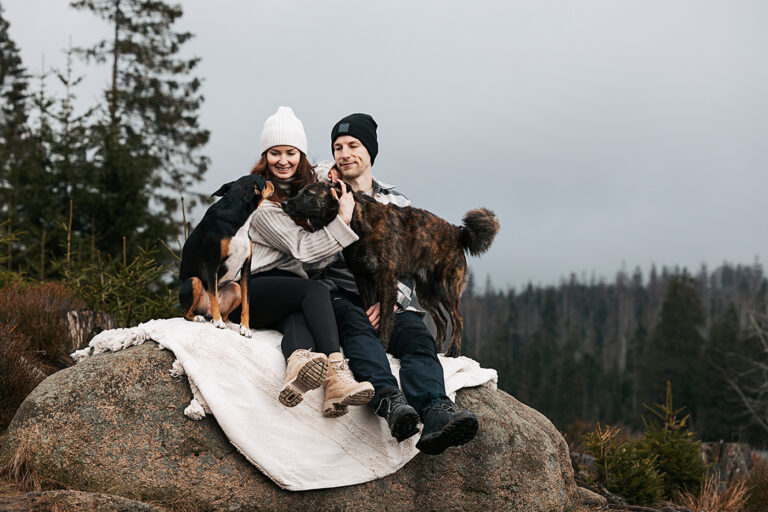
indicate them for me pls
(343, 372)
(445, 407)
(302, 354)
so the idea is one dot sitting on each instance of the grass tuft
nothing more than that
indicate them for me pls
(758, 485)
(712, 498)
(19, 468)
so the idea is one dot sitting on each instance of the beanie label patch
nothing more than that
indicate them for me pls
(343, 127)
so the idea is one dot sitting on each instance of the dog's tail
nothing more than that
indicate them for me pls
(479, 229)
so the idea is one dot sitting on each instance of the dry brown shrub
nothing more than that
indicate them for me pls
(712, 499)
(18, 468)
(39, 313)
(758, 484)
(19, 372)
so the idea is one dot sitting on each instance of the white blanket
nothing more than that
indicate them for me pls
(238, 379)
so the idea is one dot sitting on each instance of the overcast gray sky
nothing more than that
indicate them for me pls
(602, 133)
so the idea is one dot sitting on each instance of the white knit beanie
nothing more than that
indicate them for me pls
(283, 128)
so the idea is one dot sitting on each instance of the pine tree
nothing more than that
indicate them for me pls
(63, 177)
(674, 352)
(719, 421)
(15, 144)
(147, 137)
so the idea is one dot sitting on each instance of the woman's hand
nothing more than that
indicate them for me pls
(346, 202)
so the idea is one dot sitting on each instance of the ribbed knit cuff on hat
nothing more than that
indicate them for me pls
(283, 128)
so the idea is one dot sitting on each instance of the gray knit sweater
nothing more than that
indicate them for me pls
(280, 243)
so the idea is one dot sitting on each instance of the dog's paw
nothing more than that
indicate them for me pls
(244, 331)
(220, 324)
(452, 352)
(199, 318)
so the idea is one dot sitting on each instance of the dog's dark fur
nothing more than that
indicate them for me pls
(398, 242)
(216, 249)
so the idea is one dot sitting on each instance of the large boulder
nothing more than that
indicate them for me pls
(114, 423)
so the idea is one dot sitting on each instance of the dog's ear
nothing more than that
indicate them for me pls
(223, 189)
(269, 189)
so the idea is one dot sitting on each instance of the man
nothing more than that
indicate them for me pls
(355, 146)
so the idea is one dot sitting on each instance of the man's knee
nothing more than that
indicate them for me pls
(411, 336)
(351, 319)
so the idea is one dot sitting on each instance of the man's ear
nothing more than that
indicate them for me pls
(269, 189)
(223, 189)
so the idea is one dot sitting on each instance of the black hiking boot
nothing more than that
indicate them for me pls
(403, 420)
(444, 427)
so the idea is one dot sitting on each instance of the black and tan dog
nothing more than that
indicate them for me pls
(216, 250)
(398, 242)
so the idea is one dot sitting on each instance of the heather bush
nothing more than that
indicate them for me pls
(20, 371)
(38, 312)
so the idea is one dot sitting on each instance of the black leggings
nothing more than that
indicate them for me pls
(299, 308)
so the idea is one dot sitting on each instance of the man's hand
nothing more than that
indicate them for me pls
(346, 202)
(374, 315)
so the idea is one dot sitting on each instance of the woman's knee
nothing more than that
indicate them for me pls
(316, 291)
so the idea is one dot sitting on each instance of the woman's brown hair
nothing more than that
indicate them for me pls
(305, 174)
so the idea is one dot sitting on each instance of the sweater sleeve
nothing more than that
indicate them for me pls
(272, 226)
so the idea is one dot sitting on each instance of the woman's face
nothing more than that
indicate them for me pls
(283, 161)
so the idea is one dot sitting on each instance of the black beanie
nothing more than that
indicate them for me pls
(360, 126)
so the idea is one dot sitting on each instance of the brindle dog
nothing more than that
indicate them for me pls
(400, 242)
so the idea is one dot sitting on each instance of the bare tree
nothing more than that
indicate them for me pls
(746, 371)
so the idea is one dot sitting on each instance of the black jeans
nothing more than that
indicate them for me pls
(421, 374)
(299, 308)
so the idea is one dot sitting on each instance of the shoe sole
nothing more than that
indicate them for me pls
(459, 431)
(362, 397)
(406, 426)
(309, 376)
(336, 408)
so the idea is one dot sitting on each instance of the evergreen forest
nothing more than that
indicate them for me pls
(598, 351)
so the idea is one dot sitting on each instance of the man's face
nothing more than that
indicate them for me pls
(352, 159)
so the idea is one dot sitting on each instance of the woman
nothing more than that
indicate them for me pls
(280, 296)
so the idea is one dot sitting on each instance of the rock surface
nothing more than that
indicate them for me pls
(114, 423)
(71, 501)
(729, 462)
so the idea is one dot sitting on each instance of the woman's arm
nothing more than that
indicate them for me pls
(273, 227)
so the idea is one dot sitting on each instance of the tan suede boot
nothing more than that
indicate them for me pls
(306, 370)
(341, 388)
